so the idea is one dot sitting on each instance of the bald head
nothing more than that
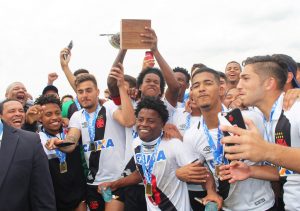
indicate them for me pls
(17, 91)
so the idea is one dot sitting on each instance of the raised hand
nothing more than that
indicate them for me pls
(65, 56)
(248, 144)
(52, 77)
(117, 72)
(33, 114)
(150, 38)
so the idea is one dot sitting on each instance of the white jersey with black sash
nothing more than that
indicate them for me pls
(105, 153)
(131, 134)
(283, 128)
(163, 157)
(250, 194)
(66, 181)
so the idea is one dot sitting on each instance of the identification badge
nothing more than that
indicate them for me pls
(93, 146)
(148, 189)
(63, 168)
(217, 170)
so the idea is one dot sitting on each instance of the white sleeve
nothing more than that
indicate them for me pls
(191, 145)
(110, 107)
(171, 109)
(183, 157)
(75, 121)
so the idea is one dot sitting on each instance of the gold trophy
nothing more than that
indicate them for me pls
(114, 39)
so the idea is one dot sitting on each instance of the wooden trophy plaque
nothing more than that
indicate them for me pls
(130, 33)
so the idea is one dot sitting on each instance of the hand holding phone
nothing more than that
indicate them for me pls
(232, 118)
(70, 46)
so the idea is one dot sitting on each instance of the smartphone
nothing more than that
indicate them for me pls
(70, 46)
(232, 118)
(64, 144)
(149, 56)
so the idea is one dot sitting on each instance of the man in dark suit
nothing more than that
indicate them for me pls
(25, 181)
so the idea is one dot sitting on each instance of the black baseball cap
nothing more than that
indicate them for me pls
(49, 88)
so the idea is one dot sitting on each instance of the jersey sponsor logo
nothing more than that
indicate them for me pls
(160, 157)
(99, 145)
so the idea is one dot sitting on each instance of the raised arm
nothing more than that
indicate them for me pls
(112, 82)
(125, 114)
(173, 86)
(65, 66)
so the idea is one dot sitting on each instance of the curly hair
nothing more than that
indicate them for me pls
(47, 99)
(154, 104)
(149, 70)
(184, 72)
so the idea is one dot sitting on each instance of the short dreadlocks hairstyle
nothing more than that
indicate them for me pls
(47, 99)
(154, 104)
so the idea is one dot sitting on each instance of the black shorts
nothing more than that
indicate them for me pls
(133, 197)
(95, 200)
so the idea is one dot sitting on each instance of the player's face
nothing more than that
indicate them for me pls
(18, 92)
(151, 85)
(87, 94)
(233, 72)
(250, 86)
(205, 90)
(13, 114)
(149, 125)
(51, 118)
(231, 96)
(181, 79)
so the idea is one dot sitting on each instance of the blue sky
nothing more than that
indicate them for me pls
(211, 32)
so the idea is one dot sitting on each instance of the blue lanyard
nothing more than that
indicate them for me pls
(92, 122)
(188, 122)
(268, 127)
(77, 104)
(60, 155)
(148, 171)
(217, 151)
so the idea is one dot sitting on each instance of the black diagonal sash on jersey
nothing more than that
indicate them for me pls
(283, 136)
(162, 201)
(99, 135)
(283, 131)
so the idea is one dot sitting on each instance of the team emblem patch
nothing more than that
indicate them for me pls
(100, 122)
(94, 205)
(279, 139)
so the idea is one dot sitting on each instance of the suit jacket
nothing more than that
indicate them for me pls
(25, 180)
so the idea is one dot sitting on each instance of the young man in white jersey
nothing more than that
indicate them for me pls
(102, 131)
(62, 166)
(158, 159)
(252, 194)
(261, 85)
(150, 82)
